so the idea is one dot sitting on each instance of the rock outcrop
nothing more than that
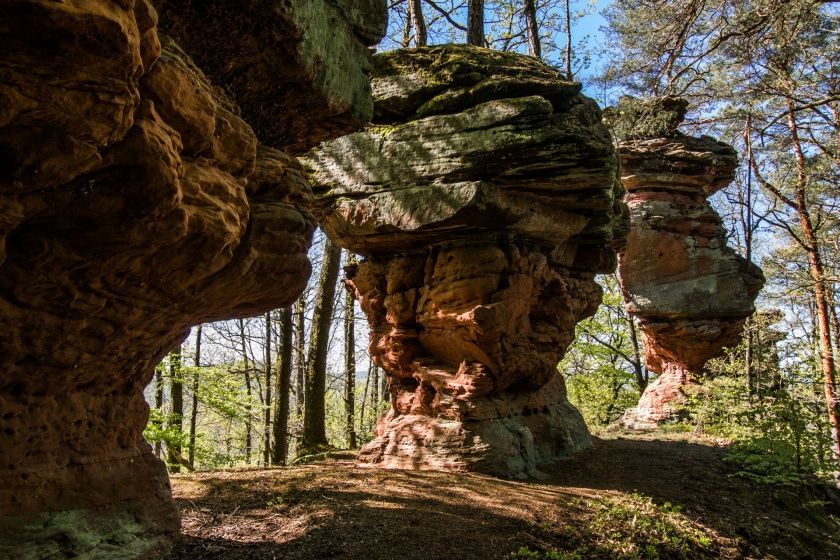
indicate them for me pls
(690, 292)
(134, 203)
(484, 199)
(299, 69)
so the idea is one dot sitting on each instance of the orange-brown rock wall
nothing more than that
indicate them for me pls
(134, 203)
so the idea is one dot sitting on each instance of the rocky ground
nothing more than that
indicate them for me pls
(628, 496)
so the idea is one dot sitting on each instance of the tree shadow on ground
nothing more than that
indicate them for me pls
(338, 510)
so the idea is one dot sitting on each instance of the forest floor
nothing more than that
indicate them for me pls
(628, 496)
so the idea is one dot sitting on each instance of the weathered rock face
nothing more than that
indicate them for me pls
(690, 292)
(134, 202)
(297, 68)
(484, 199)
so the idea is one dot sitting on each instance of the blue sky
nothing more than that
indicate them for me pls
(587, 30)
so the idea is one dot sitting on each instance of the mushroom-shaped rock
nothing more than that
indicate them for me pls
(484, 199)
(134, 203)
(690, 292)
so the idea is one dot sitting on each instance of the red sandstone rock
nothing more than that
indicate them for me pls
(690, 292)
(134, 203)
(484, 199)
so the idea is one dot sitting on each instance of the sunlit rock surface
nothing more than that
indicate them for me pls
(690, 292)
(134, 202)
(484, 199)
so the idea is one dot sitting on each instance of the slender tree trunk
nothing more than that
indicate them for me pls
(374, 395)
(406, 39)
(384, 393)
(267, 403)
(314, 416)
(176, 390)
(639, 369)
(820, 296)
(475, 23)
(374, 398)
(534, 47)
(568, 40)
(350, 366)
(248, 441)
(415, 13)
(300, 356)
(158, 403)
(194, 403)
(364, 397)
(747, 226)
(281, 400)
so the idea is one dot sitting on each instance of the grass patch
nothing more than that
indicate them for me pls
(633, 527)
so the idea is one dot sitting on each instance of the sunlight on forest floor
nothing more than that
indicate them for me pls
(627, 497)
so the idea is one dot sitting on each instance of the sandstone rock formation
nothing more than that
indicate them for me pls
(134, 202)
(484, 199)
(292, 66)
(690, 292)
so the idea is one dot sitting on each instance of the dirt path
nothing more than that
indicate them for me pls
(338, 510)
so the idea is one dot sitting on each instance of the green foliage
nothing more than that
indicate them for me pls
(525, 553)
(777, 439)
(600, 365)
(159, 429)
(630, 527)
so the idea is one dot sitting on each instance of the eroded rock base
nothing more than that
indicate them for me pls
(115, 520)
(539, 428)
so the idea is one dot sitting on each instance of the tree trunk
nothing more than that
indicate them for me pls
(415, 13)
(364, 397)
(534, 48)
(350, 366)
(374, 396)
(475, 23)
(247, 392)
(314, 416)
(176, 391)
(281, 400)
(384, 393)
(406, 39)
(267, 403)
(568, 40)
(639, 369)
(158, 403)
(820, 296)
(745, 215)
(194, 404)
(300, 356)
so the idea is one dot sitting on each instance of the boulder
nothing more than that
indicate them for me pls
(690, 292)
(484, 199)
(134, 202)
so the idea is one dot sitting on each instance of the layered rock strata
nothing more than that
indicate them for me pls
(134, 202)
(690, 292)
(484, 199)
